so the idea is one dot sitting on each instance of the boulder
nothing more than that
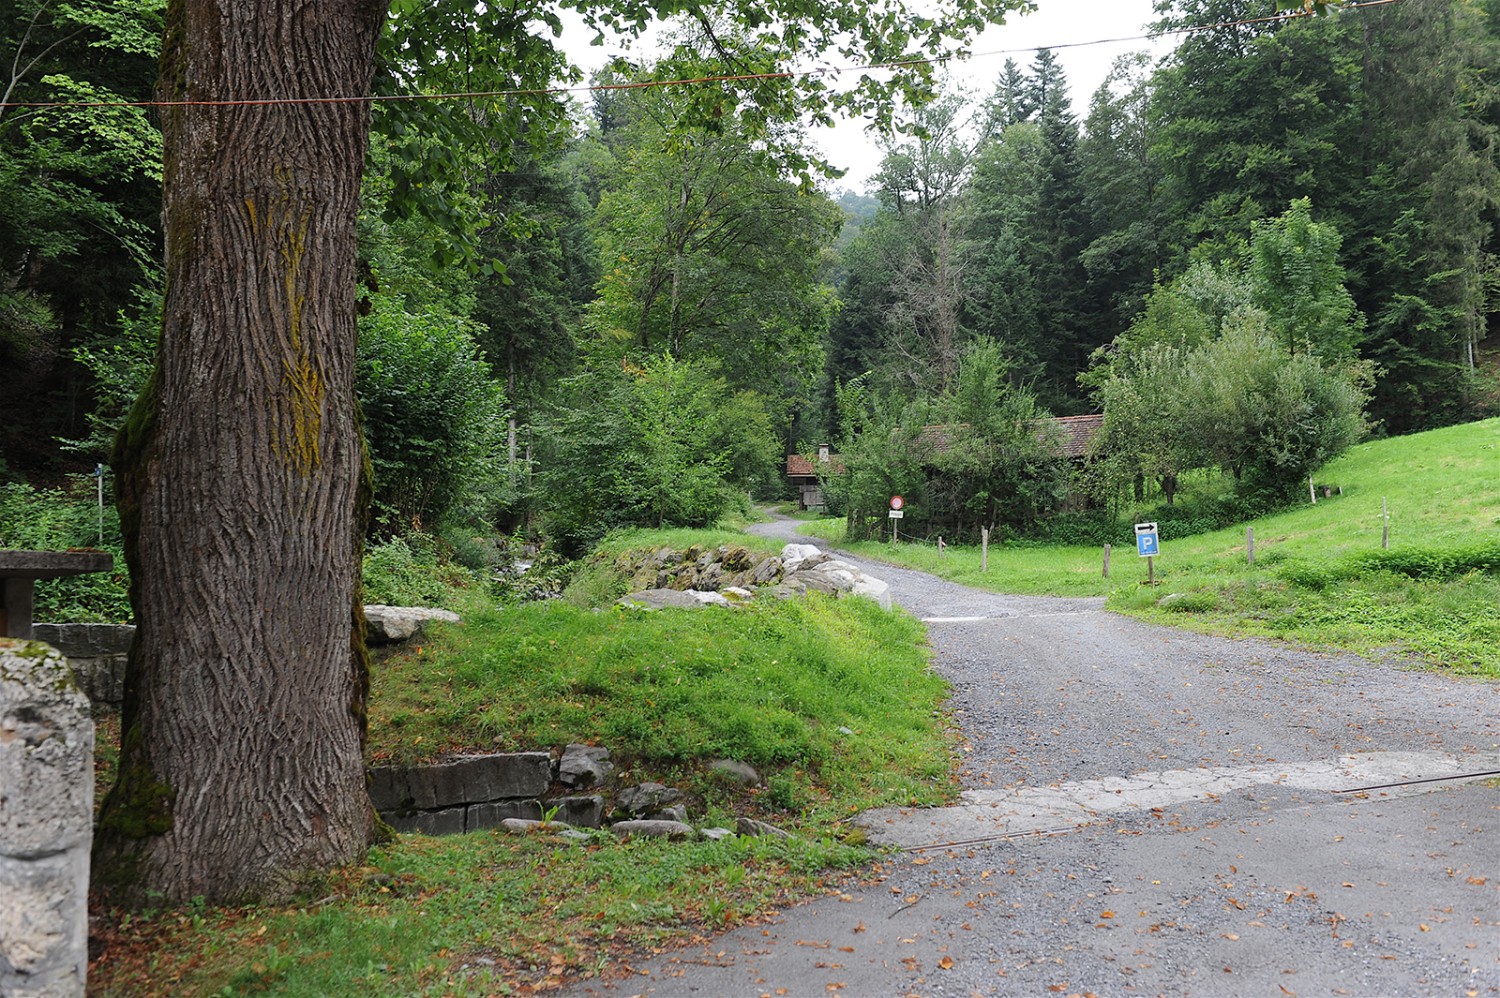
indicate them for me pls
(392, 624)
(751, 827)
(580, 812)
(740, 772)
(584, 766)
(766, 572)
(659, 599)
(646, 798)
(793, 555)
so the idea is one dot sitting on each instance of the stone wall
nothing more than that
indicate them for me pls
(96, 653)
(46, 823)
(473, 793)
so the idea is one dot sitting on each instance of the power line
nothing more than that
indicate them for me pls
(372, 99)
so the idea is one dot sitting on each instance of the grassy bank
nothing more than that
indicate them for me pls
(832, 701)
(1320, 574)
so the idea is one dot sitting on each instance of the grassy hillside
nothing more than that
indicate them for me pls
(1320, 574)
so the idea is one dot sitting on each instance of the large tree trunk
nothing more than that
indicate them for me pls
(241, 469)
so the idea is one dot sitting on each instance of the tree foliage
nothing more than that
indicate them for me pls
(979, 454)
(665, 443)
(434, 419)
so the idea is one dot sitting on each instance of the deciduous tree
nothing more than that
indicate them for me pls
(241, 469)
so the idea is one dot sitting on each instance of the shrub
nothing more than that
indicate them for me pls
(59, 520)
(433, 417)
(411, 571)
(660, 445)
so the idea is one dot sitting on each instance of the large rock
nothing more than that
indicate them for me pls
(647, 798)
(674, 831)
(46, 822)
(810, 570)
(392, 624)
(584, 766)
(793, 555)
(670, 599)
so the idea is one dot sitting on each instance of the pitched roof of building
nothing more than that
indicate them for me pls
(803, 466)
(1073, 434)
(1078, 432)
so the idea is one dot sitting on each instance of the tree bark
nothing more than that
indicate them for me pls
(242, 469)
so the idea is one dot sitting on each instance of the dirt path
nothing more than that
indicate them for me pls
(1149, 811)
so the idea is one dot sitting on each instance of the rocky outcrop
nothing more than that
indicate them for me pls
(728, 575)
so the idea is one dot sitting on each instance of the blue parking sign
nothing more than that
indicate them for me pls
(1147, 540)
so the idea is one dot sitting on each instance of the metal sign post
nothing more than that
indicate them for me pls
(897, 512)
(1148, 546)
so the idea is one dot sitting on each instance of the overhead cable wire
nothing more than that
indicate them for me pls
(686, 81)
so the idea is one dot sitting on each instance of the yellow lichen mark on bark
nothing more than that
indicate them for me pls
(301, 377)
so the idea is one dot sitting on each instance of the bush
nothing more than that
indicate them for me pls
(660, 445)
(433, 418)
(61, 520)
(1436, 564)
(412, 571)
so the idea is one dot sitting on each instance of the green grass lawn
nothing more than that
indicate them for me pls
(1320, 575)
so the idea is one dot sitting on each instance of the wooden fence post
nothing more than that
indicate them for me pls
(984, 549)
(1106, 561)
(1385, 525)
(1250, 544)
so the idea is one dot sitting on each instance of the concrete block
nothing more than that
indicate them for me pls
(449, 821)
(482, 816)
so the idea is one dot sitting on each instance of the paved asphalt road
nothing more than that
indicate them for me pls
(1150, 811)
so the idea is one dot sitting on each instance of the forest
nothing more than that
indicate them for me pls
(627, 305)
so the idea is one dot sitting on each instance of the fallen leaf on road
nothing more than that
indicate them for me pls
(946, 963)
(1232, 937)
(1287, 991)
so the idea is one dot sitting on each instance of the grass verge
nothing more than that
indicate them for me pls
(480, 914)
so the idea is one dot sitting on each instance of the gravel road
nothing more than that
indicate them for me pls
(1150, 811)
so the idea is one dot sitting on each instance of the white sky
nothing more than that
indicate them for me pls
(1055, 24)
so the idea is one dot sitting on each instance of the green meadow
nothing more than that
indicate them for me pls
(1320, 574)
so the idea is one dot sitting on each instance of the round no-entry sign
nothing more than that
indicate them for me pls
(897, 502)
